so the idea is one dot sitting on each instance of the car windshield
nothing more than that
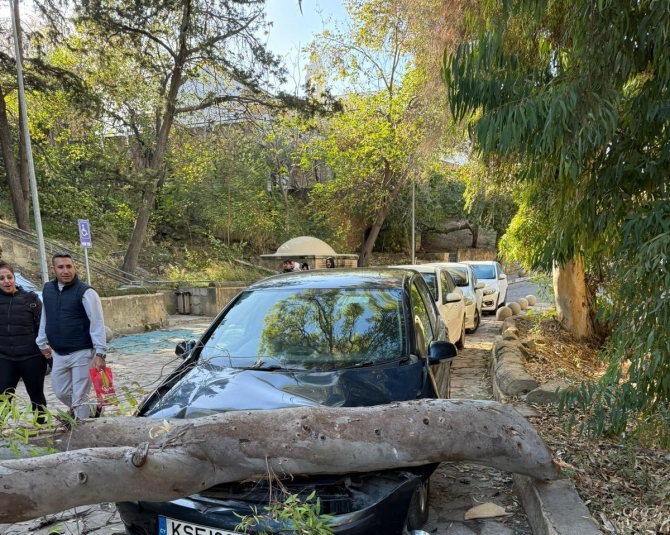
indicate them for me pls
(314, 329)
(431, 281)
(484, 272)
(460, 275)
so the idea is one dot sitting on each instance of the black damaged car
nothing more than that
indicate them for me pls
(337, 338)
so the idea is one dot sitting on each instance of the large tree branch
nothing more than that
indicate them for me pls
(121, 462)
(124, 28)
(451, 227)
(207, 43)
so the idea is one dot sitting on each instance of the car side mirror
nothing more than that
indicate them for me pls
(480, 286)
(454, 297)
(440, 351)
(184, 348)
(502, 276)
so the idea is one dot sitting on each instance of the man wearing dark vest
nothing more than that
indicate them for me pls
(72, 333)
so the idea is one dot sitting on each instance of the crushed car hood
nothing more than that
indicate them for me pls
(209, 390)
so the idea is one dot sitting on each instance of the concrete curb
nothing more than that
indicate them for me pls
(554, 507)
(519, 279)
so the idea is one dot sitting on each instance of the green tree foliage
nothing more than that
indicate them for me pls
(576, 95)
(374, 147)
(190, 60)
(219, 190)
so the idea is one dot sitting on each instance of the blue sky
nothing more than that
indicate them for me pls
(292, 29)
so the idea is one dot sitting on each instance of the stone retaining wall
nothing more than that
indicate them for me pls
(208, 301)
(18, 254)
(130, 314)
(489, 253)
(508, 375)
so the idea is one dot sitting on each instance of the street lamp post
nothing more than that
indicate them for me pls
(413, 224)
(29, 149)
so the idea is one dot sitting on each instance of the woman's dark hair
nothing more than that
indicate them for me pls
(331, 260)
(7, 265)
(304, 266)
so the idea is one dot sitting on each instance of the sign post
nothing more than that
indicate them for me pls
(86, 244)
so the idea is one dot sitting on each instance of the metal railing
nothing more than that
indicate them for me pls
(100, 268)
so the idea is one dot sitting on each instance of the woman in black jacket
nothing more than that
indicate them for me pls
(20, 358)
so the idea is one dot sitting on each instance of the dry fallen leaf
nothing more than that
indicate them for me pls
(485, 510)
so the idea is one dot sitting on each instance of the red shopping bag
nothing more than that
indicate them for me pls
(103, 383)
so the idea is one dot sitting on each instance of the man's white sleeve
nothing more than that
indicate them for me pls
(93, 307)
(42, 341)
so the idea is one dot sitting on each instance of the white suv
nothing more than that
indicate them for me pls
(490, 273)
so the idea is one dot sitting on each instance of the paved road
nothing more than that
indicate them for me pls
(139, 362)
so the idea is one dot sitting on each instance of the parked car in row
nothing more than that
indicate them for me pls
(491, 273)
(339, 338)
(448, 298)
(473, 291)
(27, 285)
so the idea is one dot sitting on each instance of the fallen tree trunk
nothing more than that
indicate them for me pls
(120, 461)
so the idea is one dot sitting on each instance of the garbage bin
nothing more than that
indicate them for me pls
(183, 302)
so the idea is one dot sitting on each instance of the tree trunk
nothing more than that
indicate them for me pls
(369, 241)
(21, 212)
(23, 152)
(572, 299)
(158, 156)
(121, 462)
(475, 236)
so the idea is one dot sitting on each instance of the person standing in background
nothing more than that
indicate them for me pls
(72, 333)
(20, 358)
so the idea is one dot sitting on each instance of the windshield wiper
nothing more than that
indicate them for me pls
(266, 367)
(364, 364)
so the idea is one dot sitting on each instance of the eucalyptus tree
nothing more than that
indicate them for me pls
(578, 96)
(196, 61)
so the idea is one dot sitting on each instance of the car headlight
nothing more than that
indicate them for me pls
(489, 291)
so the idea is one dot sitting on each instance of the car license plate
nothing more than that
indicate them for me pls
(170, 526)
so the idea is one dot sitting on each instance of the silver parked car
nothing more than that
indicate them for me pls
(473, 291)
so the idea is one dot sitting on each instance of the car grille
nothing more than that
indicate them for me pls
(334, 496)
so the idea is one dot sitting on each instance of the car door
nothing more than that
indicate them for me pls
(479, 293)
(427, 328)
(422, 326)
(451, 312)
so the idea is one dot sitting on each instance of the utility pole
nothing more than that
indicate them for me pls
(413, 224)
(44, 272)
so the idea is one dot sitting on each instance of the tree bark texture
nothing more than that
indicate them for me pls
(19, 204)
(24, 172)
(572, 302)
(369, 242)
(121, 462)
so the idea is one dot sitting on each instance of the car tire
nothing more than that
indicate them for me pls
(477, 321)
(460, 343)
(504, 302)
(418, 507)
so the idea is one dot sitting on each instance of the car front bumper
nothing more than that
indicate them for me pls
(490, 302)
(385, 516)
